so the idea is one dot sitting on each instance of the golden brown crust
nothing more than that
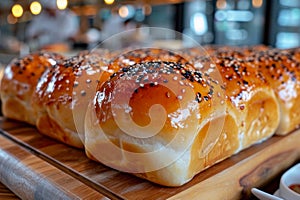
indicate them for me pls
(176, 88)
(19, 82)
(62, 96)
(240, 87)
(251, 96)
(200, 105)
(281, 69)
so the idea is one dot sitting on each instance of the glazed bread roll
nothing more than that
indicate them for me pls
(281, 69)
(62, 95)
(129, 57)
(278, 67)
(251, 95)
(160, 121)
(19, 81)
(251, 98)
(189, 118)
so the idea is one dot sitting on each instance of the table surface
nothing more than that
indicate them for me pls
(5, 193)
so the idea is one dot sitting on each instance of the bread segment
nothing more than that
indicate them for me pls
(19, 82)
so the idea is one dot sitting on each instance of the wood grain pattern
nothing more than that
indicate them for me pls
(235, 182)
(230, 179)
(6, 194)
(30, 177)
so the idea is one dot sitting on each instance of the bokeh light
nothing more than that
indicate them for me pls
(62, 4)
(123, 11)
(11, 19)
(35, 8)
(17, 10)
(109, 2)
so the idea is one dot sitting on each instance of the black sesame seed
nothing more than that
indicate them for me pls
(206, 98)
(83, 93)
(198, 97)
(245, 82)
(211, 91)
(113, 75)
(125, 69)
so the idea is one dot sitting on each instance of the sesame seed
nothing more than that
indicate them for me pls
(83, 93)
(75, 84)
(168, 94)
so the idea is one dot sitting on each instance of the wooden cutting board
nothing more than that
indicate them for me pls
(35, 166)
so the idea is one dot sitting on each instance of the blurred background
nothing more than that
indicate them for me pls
(73, 25)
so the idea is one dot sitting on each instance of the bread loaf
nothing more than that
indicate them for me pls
(205, 120)
(162, 115)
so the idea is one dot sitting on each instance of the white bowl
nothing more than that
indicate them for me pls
(291, 176)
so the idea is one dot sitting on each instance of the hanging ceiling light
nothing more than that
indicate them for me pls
(17, 10)
(109, 2)
(35, 8)
(62, 4)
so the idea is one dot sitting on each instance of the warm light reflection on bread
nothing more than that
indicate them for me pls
(162, 115)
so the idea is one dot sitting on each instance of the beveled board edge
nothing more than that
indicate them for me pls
(29, 177)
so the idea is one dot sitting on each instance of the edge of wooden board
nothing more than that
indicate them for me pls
(253, 171)
(29, 177)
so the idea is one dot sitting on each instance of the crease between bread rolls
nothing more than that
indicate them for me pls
(164, 115)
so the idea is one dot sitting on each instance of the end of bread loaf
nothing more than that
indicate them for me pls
(19, 81)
